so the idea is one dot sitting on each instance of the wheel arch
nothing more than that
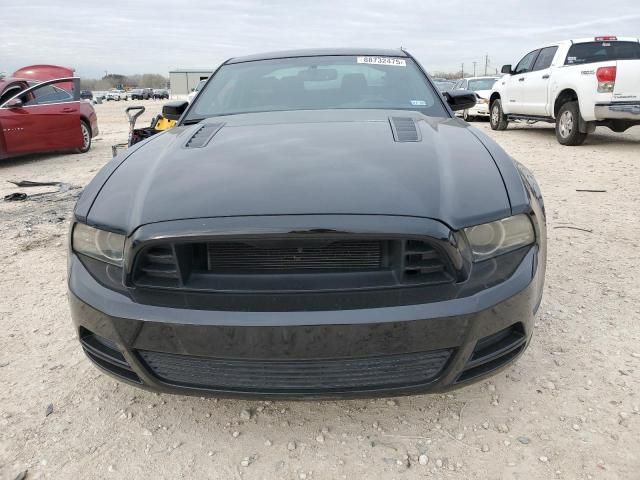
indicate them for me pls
(565, 95)
(494, 96)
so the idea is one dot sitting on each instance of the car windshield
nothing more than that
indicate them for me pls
(481, 84)
(317, 83)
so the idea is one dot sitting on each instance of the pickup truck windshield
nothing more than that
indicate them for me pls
(591, 52)
(318, 83)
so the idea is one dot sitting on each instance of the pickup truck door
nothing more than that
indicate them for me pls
(514, 87)
(536, 84)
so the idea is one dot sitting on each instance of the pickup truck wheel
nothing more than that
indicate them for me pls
(498, 119)
(567, 120)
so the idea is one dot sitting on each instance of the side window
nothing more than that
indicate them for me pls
(48, 94)
(545, 58)
(526, 64)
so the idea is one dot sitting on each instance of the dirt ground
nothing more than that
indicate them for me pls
(568, 409)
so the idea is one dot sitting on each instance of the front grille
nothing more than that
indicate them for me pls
(238, 257)
(297, 376)
(292, 265)
(424, 264)
(158, 266)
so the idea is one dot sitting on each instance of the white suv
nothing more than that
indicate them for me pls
(576, 84)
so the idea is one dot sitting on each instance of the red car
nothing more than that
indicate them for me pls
(44, 116)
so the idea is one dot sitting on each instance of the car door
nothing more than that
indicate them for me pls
(46, 118)
(516, 84)
(536, 88)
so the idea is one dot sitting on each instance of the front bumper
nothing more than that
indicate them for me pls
(480, 110)
(618, 111)
(307, 354)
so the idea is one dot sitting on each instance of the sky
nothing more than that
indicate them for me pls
(156, 36)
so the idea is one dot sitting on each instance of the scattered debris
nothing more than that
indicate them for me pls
(22, 475)
(29, 183)
(15, 197)
(589, 190)
(49, 410)
(588, 230)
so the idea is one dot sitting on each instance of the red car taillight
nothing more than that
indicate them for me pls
(606, 79)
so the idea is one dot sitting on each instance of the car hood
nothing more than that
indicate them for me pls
(306, 162)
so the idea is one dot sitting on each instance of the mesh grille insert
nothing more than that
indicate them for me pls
(297, 375)
(238, 257)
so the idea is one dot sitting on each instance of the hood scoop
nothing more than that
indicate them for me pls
(404, 129)
(203, 135)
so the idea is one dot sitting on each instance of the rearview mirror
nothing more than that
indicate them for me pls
(13, 103)
(318, 74)
(174, 110)
(460, 99)
(506, 69)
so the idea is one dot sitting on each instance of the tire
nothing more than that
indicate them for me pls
(497, 119)
(466, 117)
(86, 137)
(567, 122)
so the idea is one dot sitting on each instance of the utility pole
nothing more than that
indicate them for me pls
(474, 68)
(486, 63)
(462, 69)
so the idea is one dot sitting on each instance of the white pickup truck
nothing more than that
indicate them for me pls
(576, 84)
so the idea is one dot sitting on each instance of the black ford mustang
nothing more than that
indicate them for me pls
(317, 224)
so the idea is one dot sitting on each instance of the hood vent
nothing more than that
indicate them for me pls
(203, 135)
(404, 129)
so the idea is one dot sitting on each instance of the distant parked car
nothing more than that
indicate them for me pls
(117, 95)
(482, 87)
(444, 85)
(195, 91)
(138, 94)
(86, 94)
(148, 92)
(160, 93)
(44, 117)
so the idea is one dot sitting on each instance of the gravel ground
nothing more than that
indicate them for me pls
(569, 408)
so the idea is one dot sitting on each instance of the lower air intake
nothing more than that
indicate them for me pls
(297, 376)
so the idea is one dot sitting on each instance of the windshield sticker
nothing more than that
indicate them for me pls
(398, 62)
(418, 102)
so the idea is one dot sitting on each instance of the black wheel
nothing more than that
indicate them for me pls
(498, 119)
(466, 117)
(86, 137)
(567, 121)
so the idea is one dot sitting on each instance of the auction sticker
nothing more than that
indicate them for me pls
(398, 62)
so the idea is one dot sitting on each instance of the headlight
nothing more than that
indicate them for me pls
(495, 238)
(99, 244)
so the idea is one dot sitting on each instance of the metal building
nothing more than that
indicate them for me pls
(184, 80)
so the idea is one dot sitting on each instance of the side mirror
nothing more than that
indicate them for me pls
(14, 103)
(174, 110)
(460, 99)
(506, 69)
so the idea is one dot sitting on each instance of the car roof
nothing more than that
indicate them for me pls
(321, 52)
(483, 77)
